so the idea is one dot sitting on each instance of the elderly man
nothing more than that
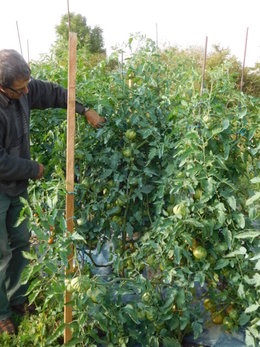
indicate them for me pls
(19, 94)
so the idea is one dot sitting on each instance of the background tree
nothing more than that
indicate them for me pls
(90, 40)
(96, 40)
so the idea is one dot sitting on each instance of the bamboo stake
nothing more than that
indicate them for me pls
(19, 38)
(70, 170)
(156, 34)
(244, 60)
(68, 7)
(204, 66)
(28, 54)
(203, 71)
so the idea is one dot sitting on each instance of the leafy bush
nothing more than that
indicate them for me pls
(169, 183)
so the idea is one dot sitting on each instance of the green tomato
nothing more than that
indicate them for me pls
(170, 210)
(117, 219)
(81, 221)
(209, 305)
(75, 283)
(221, 247)
(172, 198)
(233, 314)
(130, 134)
(127, 152)
(121, 201)
(179, 210)
(141, 314)
(198, 194)
(115, 210)
(94, 294)
(146, 297)
(199, 252)
(149, 315)
(217, 318)
(227, 323)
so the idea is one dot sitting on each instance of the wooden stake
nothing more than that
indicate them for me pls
(68, 7)
(70, 170)
(204, 66)
(28, 52)
(156, 35)
(244, 61)
(19, 38)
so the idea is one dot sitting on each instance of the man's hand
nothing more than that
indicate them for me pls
(41, 172)
(94, 119)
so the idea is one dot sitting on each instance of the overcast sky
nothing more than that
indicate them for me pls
(181, 23)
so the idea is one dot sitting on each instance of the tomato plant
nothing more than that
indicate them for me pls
(175, 168)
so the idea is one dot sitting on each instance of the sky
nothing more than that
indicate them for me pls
(181, 23)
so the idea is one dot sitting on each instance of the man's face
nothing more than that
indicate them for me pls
(18, 88)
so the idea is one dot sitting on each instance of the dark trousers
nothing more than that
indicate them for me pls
(13, 241)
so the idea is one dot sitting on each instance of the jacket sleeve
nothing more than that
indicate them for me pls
(13, 168)
(43, 95)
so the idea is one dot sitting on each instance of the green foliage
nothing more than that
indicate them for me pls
(88, 39)
(186, 178)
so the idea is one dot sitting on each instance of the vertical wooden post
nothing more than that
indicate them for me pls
(204, 66)
(70, 170)
(244, 62)
(156, 35)
(19, 38)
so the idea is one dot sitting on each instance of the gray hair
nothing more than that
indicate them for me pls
(12, 67)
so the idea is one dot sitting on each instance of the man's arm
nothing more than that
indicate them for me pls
(44, 95)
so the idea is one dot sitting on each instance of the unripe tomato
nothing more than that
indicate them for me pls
(198, 194)
(233, 314)
(146, 297)
(81, 221)
(170, 209)
(130, 134)
(141, 314)
(174, 308)
(93, 294)
(117, 219)
(116, 210)
(121, 201)
(217, 318)
(172, 198)
(199, 252)
(127, 152)
(209, 305)
(179, 210)
(149, 315)
(227, 323)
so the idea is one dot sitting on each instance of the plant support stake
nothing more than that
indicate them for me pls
(203, 71)
(204, 66)
(70, 171)
(18, 33)
(244, 61)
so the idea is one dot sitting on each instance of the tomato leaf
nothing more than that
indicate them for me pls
(241, 251)
(244, 319)
(170, 342)
(252, 308)
(248, 234)
(253, 198)
(221, 263)
(232, 202)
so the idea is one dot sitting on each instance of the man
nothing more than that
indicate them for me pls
(18, 96)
